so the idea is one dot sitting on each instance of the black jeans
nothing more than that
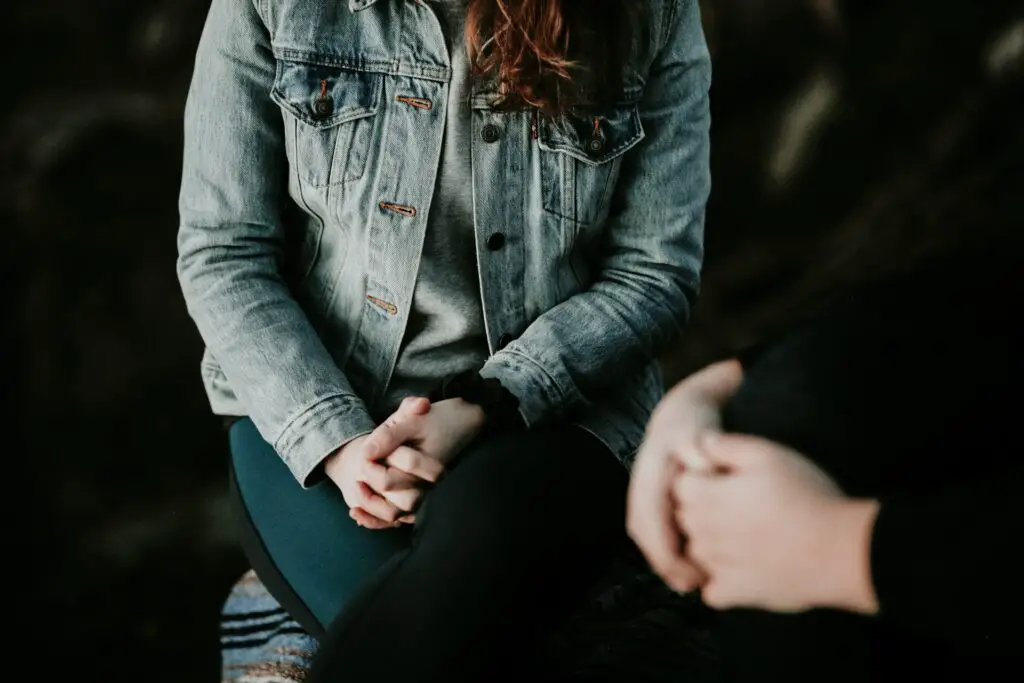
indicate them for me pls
(504, 546)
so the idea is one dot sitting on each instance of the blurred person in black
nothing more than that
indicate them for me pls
(847, 494)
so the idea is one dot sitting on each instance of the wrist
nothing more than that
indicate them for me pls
(333, 460)
(476, 416)
(850, 586)
(494, 406)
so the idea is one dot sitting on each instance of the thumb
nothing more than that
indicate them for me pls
(729, 451)
(395, 431)
(414, 405)
(717, 382)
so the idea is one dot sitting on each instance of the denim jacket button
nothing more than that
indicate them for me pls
(490, 133)
(596, 144)
(496, 241)
(504, 340)
(323, 107)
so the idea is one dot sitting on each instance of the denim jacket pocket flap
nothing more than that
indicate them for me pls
(593, 137)
(323, 96)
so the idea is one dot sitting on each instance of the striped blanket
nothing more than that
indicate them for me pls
(632, 630)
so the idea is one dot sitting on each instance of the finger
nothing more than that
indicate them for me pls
(686, 576)
(715, 383)
(365, 519)
(698, 551)
(695, 403)
(692, 457)
(406, 501)
(693, 406)
(376, 505)
(383, 479)
(695, 496)
(396, 430)
(407, 519)
(399, 488)
(693, 490)
(716, 595)
(414, 405)
(649, 519)
(415, 463)
(731, 452)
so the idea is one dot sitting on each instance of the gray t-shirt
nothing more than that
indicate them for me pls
(445, 333)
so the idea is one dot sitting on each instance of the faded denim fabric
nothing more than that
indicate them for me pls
(313, 131)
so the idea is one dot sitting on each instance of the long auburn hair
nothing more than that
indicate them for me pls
(555, 54)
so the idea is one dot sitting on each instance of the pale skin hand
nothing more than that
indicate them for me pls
(410, 451)
(773, 531)
(399, 488)
(367, 506)
(434, 437)
(690, 409)
(345, 468)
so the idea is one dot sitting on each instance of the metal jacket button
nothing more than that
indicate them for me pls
(490, 133)
(323, 107)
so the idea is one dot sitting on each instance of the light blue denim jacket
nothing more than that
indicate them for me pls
(313, 132)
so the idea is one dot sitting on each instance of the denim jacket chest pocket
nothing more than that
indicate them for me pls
(581, 155)
(328, 112)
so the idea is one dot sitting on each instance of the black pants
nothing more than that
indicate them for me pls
(504, 547)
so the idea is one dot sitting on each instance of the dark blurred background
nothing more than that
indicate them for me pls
(851, 138)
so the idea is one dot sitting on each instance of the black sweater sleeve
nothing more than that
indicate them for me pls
(950, 564)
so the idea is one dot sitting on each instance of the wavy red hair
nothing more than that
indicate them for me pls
(553, 54)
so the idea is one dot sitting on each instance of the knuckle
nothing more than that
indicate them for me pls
(413, 461)
(400, 459)
(682, 582)
(659, 563)
(383, 479)
(406, 502)
(371, 474)
(385, 511)
(713, 596)
(363, 497)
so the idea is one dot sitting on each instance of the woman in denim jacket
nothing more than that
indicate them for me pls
(496, 205)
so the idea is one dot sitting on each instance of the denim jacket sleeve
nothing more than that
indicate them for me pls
(649, 273)
(234, 188)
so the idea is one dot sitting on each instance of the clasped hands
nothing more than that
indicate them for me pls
(384, 475)
(748, 522)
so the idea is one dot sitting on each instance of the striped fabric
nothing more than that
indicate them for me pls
(259, 642)
(633, 630)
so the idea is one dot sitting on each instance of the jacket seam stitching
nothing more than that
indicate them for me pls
(348, 400)
(562, 396)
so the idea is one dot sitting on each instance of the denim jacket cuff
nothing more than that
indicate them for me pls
(319, 431)
(540, 397)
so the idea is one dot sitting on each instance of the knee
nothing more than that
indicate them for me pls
(529, 486)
